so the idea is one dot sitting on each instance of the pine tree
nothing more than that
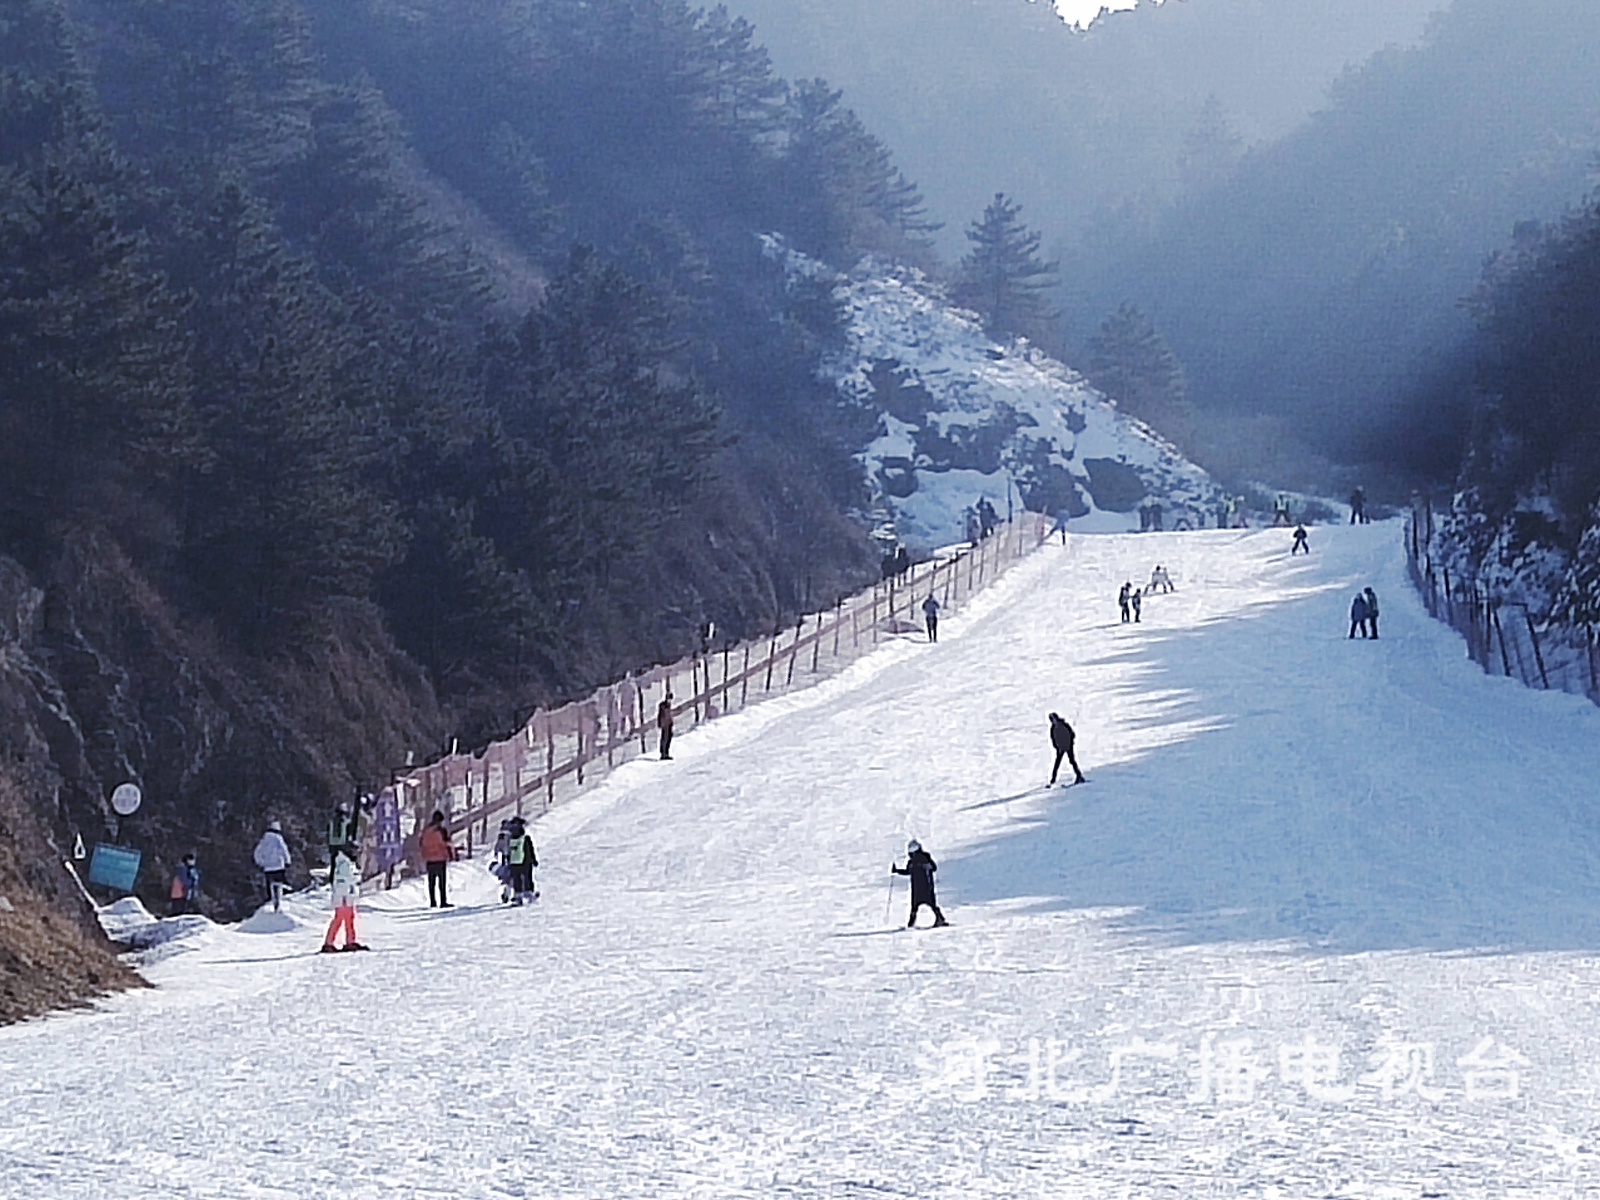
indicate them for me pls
(288, 512)
(1132, 363)
(94, 399)
(1211, 147)
(1002, 277)
(845, 196)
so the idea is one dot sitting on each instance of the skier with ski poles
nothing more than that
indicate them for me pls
(920, 868)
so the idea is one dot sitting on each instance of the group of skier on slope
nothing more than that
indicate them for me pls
(513, 863)
(514, 855)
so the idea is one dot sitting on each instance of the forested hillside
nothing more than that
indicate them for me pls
(371, 371)
(1525, 522)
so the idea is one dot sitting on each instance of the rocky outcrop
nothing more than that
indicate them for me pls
(102, 682)
(960, 416)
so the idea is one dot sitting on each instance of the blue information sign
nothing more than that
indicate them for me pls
(389, 844)
(114, 867)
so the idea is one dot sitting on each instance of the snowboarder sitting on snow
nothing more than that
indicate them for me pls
(272, 856)
(1123, 601)
(1063, 738)
(930, 617)
(520, 854)
(437, 854)
(346, 888)
(185, 887)
(920, 868)
(1371, 598)
(1358, 615)
(1300, 544)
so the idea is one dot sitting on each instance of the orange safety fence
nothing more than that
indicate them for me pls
(560, 751)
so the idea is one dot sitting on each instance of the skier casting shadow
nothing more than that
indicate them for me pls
(920, 868)
(1063, 738)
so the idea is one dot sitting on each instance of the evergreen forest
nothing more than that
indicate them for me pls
(371, 372)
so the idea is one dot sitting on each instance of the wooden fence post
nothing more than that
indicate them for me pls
(643, 748)
(582, 720)
(744, 676)
(794, 649)
(874, 614)
(549, 763)
(1588, 647)
(1494, 621)
(772, 657)
(838, 620)
(1538, 656)
(694, 685)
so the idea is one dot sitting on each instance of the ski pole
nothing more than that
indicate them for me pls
(889, 899)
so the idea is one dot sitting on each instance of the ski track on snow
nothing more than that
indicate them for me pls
(1285, 835)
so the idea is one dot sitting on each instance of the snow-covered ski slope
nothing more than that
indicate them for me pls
(1324, 923)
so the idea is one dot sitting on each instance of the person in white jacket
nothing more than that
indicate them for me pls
(346, 889)
(272, 856)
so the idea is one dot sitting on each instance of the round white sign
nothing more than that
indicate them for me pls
(126, 799)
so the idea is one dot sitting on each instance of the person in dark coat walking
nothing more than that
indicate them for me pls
(920, 868)
(1124, 602)
(1358, 615)
(1371, 598)
(664, 725)
(930, 617)
(1063, 739)
(1300, 543)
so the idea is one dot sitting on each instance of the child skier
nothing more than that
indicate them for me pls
(346, 889)
(523, 860)
(502, 861)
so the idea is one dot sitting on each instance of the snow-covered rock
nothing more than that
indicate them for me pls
(961, 416)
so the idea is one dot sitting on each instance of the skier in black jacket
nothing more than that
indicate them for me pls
(920, 868)
(1062, 738)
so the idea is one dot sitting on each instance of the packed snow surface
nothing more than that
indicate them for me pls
(1324, 922)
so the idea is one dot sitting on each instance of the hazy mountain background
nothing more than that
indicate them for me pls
(979, 96)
